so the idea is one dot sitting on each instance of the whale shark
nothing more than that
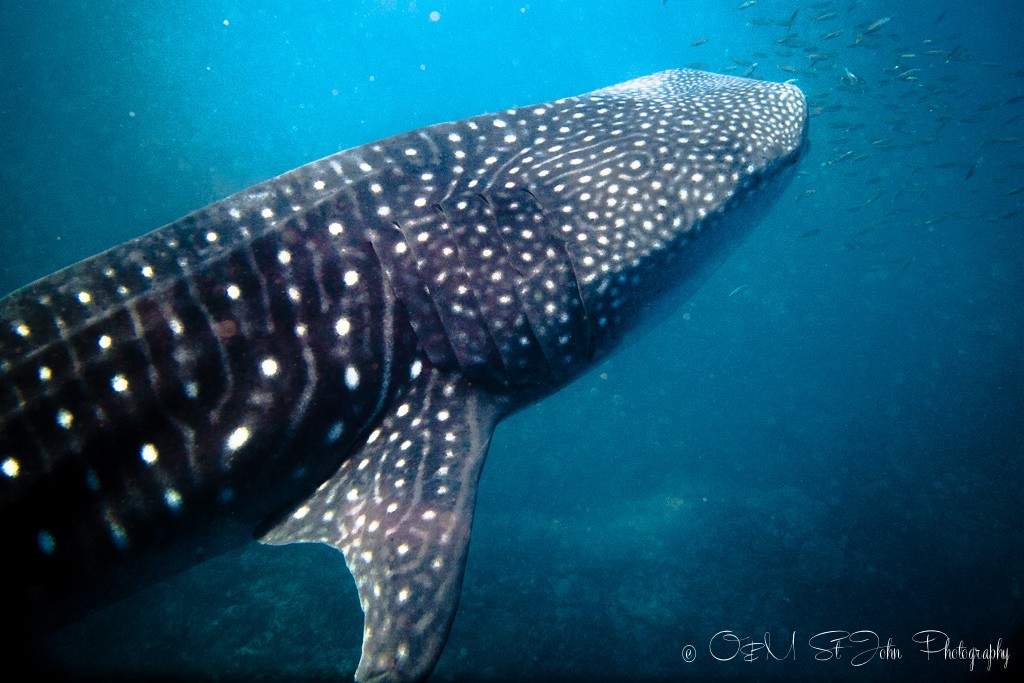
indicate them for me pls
(323, 357)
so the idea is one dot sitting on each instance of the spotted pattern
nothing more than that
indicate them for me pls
(360, 324)
(401, 510)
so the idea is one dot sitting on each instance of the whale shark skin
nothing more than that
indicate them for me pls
(323, 357)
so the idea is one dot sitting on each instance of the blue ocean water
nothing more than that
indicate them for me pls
(826, 438)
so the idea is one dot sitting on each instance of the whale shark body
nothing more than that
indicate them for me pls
(323, 357)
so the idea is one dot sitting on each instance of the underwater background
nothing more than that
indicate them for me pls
(827, 438)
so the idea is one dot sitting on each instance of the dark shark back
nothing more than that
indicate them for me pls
(195, 379)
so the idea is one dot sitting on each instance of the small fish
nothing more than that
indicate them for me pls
(789, 69)
(850, 77)
(842, 157)
(736, 291)
(955, 54)
(809, 233)
(826, 16)
(748, 3)
(875, 25)
(787, 23)
(699, 41)
(831, 35)
(974, 167)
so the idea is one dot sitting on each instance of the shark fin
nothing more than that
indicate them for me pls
(400, 509)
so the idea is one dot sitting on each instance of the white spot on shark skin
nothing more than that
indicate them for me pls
(335, 432)
(23, 330)
(351, 378)
(212, 237)
(84, 297)
(65, 418)
(119, 384)
(173, 499)
(335, 229)
(233, 291)
(284, 257)
(269, 367)
(301, 512)
(45, 374)
(238, 438)
(117, 532)
(148, 453)
(342, 327)
(10, 467)
(267, 212)
(104, 342)
(351, 278)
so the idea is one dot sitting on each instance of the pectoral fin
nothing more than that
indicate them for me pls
(401, 511)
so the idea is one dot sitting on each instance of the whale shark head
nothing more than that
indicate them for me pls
(653, 181)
